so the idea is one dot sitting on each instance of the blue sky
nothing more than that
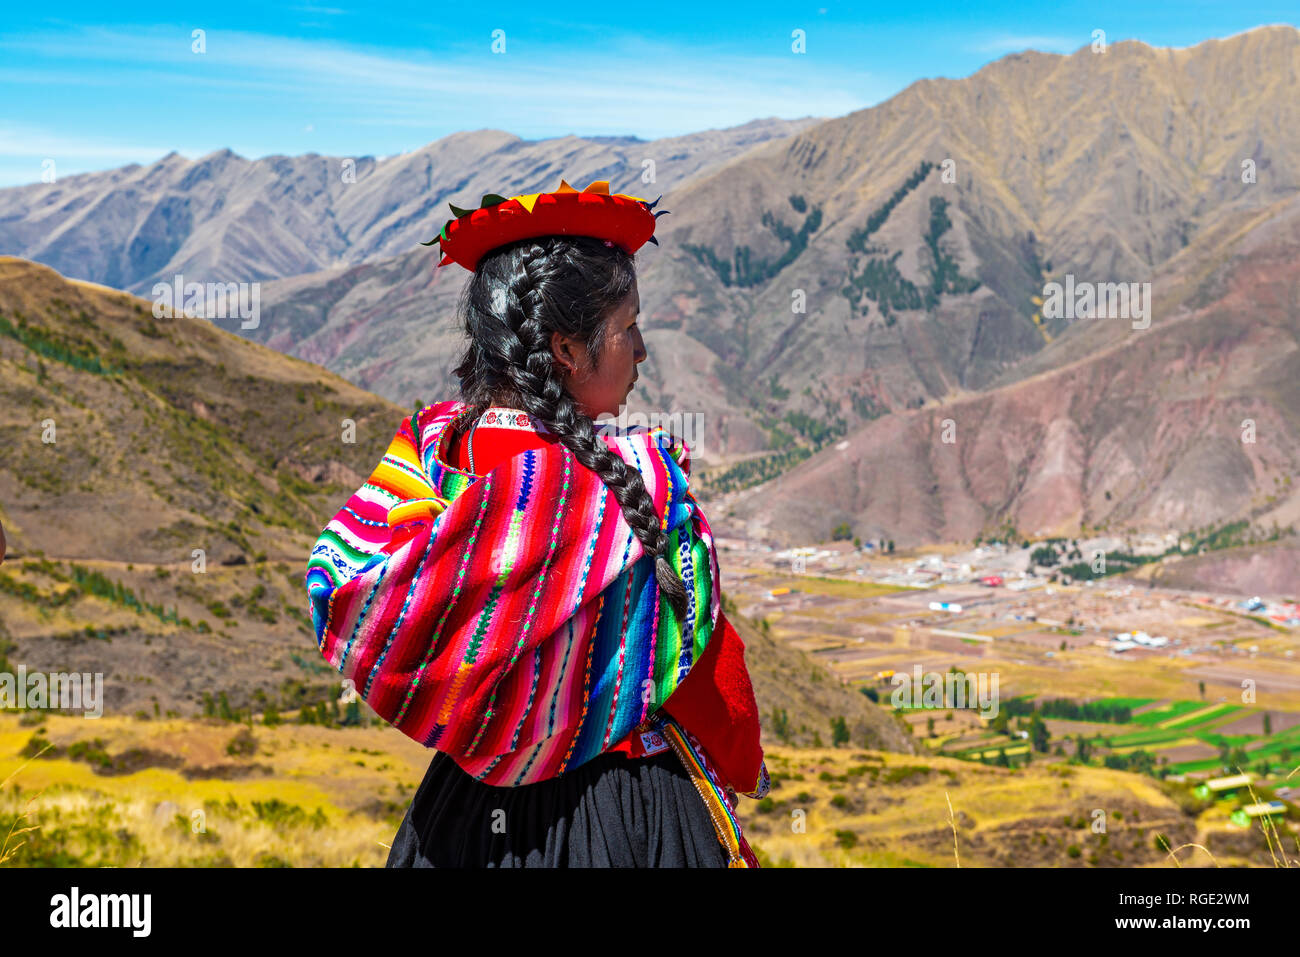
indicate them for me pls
(94, 86)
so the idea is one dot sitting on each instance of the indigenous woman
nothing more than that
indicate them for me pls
(534, 596)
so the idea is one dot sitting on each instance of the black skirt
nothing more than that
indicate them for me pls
(612, 811)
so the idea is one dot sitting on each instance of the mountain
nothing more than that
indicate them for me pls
(1191, 423)
(223, 218)
(161, 486)
(890, 258)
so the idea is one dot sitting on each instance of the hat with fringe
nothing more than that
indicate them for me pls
(618, 219)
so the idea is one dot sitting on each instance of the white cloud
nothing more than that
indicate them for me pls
(661, 93)
(41, 143)
(1013, 43)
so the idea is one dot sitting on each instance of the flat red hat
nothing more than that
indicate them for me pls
(627, 221)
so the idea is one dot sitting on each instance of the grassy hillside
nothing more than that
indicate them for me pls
(797, 697)
(161, 485)
(129, 792)
(173, 434)
(841, 808)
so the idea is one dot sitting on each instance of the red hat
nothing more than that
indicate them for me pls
(614, 217)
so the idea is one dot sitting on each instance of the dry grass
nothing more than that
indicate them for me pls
(309, 796)
(938, 812)
(334, 797)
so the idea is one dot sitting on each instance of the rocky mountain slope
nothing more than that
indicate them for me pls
(1191, 423)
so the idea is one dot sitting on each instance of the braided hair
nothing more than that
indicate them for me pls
(519, 295)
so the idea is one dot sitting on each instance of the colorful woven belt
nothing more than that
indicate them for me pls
(718, 797)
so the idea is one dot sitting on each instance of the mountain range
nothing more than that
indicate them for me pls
(828, 294)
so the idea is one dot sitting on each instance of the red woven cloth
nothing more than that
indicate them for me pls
(715, 700)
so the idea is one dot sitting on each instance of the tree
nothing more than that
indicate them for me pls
(1081, 749)
(1002, 760)
(839, 731)
(1038, 733)
(929, 727)
(1268, 725)
(1142, 761)
(781, 724)
(1202, 686)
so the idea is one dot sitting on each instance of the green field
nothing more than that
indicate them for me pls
(1133, 703)
(1174, 725)
(1175, 710)
(1195, 722)
(1142, 738)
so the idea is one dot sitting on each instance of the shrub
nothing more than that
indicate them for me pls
(242, 744)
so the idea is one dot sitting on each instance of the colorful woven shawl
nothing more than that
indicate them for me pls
(512, 619)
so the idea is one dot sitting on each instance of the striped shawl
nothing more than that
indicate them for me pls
(512, 619)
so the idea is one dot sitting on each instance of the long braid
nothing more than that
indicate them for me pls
(510, 360)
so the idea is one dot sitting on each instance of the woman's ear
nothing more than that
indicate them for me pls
(566, 351)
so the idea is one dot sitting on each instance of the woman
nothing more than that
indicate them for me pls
(536, 600)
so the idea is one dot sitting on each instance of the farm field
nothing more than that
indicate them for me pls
(1176, 711)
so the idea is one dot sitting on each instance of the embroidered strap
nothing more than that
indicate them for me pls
(500, 417)
(719, 799)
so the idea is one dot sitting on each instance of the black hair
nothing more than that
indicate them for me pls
(519, 295)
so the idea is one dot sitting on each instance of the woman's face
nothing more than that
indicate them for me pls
(603, 387)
